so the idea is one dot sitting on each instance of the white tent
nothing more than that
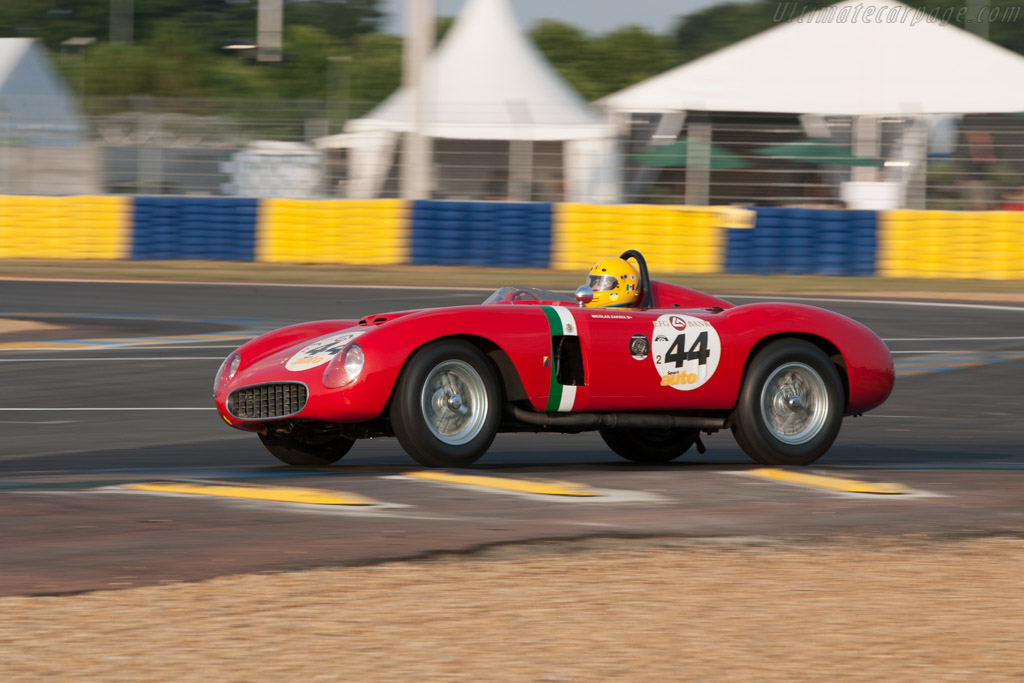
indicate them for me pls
(487, 81)
(36, 107)
(44, 137)
(859, 57)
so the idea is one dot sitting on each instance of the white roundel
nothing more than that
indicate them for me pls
(321, 351)
(685, 350)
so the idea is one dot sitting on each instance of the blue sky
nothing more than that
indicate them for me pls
(593, 16)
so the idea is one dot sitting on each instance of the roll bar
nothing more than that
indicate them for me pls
(647, 300)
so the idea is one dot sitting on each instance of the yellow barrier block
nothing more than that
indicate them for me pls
(333, 231)
(673, 239)
(951, 244)
(74, 227)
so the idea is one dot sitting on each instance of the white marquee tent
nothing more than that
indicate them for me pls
(487, 81)
(859, 57)
(42, 132)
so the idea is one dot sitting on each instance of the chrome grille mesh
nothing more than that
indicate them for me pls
(266, 401)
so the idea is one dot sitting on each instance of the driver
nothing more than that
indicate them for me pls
(614, 282)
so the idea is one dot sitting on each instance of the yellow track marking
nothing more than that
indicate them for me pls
(833, 483)
(544, 487)
(279, 494)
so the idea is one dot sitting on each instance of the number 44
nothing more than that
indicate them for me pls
(698, 352)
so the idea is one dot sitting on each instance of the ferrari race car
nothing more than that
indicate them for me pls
(650, 376)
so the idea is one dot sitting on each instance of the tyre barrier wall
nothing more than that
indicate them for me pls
(953, 244)
(675, 239)
(80, 227)
(672, 239)
(333, 231)
(221, 229)
(805, 241)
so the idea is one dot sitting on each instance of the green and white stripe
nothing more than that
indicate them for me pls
(561, 322)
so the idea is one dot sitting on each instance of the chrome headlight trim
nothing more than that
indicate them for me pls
(345, 368)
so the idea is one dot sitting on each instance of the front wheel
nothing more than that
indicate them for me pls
(791, 405)
(649, 446)
(447, 405)
(292, 451)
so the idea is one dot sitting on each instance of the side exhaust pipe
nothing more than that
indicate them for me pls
(617, 420)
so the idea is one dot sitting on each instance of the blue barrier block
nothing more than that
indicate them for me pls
(194, 228)
(481, 233)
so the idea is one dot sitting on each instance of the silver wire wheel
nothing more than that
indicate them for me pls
(791, 404)
(794, 403)
(454, 402)
(446, 407)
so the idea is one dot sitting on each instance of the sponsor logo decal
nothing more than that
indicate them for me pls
(686, 351)
(639, 347)
(321, 351)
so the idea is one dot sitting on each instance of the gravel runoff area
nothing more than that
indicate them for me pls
(898, 609)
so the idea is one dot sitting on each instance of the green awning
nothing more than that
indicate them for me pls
(817, 151)
(675, 154)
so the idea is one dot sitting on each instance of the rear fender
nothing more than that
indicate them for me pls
(860, 356)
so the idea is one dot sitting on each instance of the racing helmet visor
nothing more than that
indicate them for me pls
(602, 283)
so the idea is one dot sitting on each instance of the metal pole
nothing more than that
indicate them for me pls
(417, 158)
(698, 160)
(269, 21)
(122, 21)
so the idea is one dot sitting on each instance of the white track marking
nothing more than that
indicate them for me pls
(886, 302)
(953, 352)
(241, 283)
(89, 360)
(56, 410)
(902, 339)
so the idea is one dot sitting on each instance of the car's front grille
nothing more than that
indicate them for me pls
(267, 401)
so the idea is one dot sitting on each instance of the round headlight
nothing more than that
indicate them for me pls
(353, 362)
(345, 367)
(233, 367)
(227, 370)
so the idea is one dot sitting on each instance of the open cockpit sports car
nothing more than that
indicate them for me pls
(650, 376)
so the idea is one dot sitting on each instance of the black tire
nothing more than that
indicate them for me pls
(791, 405)
(447, 405)
(301, 454)
(649, 446)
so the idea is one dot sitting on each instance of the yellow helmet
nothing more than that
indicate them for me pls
(614, 282)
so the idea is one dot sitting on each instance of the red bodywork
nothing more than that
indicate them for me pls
(697, 349)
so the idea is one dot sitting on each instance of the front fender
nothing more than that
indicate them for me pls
(521, 332)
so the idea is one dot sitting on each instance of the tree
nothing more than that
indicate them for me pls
(597, 66)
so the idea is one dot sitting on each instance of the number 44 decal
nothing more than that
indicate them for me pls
(685, 350)
(698, 352)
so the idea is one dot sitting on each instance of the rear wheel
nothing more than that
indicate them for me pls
(791, 405)
(447, 404)
(649, 446)
(292, 451)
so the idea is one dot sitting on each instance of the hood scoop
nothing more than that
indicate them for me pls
(381, 318)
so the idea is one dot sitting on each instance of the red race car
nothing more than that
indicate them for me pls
(650, 371)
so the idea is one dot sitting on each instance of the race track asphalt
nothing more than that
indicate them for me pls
(80, 421)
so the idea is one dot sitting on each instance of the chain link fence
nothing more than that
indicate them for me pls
(274, 148)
